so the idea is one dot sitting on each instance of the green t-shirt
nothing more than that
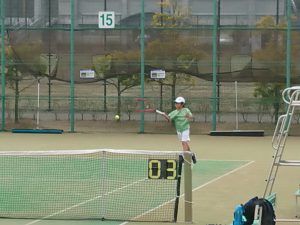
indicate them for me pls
(178, 117)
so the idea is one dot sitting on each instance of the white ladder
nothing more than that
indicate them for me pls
(291, 96)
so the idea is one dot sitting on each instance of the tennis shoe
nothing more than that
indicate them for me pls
(194, 158)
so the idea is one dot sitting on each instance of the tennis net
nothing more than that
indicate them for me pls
(90, 184)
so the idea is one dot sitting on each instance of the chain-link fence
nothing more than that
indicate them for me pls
(59, 66)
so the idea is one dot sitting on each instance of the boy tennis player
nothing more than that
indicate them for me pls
(181, 117)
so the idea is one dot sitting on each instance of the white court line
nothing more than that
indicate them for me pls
(224, 175)
(108, 193)
(84, 202)
(199, 187)
(224, 160)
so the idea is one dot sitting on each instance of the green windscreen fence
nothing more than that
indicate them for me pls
(90, 184)
(203, 46)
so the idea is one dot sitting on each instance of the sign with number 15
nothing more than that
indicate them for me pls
(106, 19)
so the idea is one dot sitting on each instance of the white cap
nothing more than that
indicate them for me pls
(180, 100)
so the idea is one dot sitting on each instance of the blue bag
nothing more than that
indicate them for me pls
(238, 215)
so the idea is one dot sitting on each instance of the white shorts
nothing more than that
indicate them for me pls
(184, 135)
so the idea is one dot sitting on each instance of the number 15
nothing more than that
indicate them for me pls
(106, 19)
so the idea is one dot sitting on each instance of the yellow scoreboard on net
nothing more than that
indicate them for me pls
(162, 169)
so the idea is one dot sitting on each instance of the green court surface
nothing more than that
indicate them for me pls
(229, 171)
(56, 222)
(204, 172)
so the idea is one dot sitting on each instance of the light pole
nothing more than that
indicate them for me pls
(161, 83)
(277, 12)
(3, 63)
(105, 83)
(142, 69)
(49, 54)
(218, 54)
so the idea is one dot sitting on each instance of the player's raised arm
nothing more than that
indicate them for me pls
(163, 114)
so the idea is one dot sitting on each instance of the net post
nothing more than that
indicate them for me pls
(180, 162)
(188, 212)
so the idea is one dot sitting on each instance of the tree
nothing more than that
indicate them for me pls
(102, 66)
(13, 77)
(269, 92)
(29, 59)
(177, 54)
(16, 71)
(173, 14)
(272, 56)
(119, 69)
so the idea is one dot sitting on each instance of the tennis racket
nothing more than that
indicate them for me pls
(148, 106)
(151, 110)
(159, 112)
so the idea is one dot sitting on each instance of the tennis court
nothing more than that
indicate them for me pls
(230, 170)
